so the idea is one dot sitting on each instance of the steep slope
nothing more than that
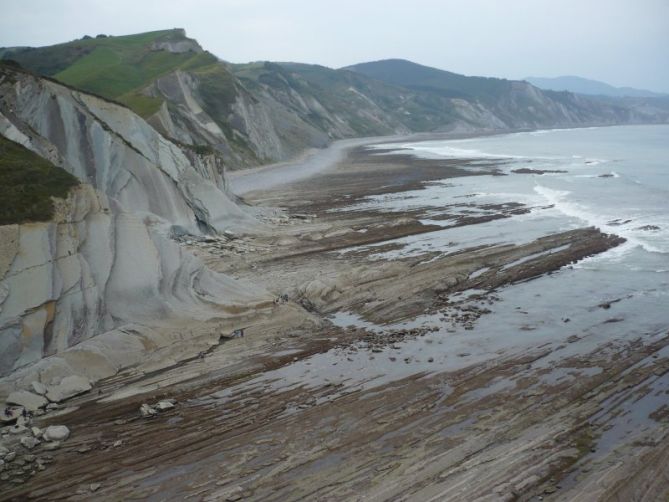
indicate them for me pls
(102, 264)
(582, 85)
(113, 149)
(115, 67)
(262, 112)
(509, 103)
(183, 91)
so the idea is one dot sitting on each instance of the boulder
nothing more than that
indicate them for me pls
(28, 400)
(3, 451)
(50, 446)
(56, 433)
(164, 405)
(37, 432)
(10, 456)
(17, 429)
(68, 387)
(147, 411)
(29, 442)
(234, 495)
(38, 388)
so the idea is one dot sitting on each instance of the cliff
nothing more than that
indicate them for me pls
(104, 265)
(263, 112)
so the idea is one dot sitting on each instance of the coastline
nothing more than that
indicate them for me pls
(442, 348)
(315, 160)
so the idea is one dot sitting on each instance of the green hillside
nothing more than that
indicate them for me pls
(423, 78)
(113, 67)
(28, 183)
(369, 106)
(262, 112)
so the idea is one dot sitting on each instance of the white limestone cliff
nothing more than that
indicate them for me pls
(101, 285)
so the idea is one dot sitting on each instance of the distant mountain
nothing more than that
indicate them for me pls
(592, 87)
(510, 103)
(418, 77)
(256, 113)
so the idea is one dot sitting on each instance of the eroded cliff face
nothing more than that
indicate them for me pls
(94, 268)
(70, 288)
(117, 152)
(246, 128)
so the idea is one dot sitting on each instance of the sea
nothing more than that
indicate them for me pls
(613, 178)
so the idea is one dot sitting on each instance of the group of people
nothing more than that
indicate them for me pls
(281, 299)
(24, 413)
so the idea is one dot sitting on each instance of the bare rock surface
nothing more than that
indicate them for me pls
(56, 433)
(28, 400)
(68, 387)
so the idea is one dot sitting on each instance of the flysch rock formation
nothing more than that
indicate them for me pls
(117, 152)
(102, 286)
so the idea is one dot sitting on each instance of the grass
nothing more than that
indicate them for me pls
(117, 68)
(142, 105)
(28, 183)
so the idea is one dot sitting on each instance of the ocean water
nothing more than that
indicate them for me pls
(529, 317)
(614, 178)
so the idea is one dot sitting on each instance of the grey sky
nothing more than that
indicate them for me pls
(623, 42)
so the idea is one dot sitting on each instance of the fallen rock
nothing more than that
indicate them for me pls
(147, 411)
(69, 386)
(164, 405)
(234, 495)
(53, 445)
(29, 442)
(10, 456)
(3, 451)
(38, 388)
(94, 487)
(17, 429)
(56, 433)
(526, 483)
(37, 432)
(28, 400)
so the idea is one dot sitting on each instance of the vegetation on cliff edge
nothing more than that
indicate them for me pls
(28, 183)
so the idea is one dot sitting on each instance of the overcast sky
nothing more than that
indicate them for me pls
(622, 42)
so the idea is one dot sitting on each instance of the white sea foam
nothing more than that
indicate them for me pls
(559, 199)
(440, 149)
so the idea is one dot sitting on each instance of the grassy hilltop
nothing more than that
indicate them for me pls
(115, 67)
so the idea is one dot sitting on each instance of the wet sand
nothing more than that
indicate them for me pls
(448, 373)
